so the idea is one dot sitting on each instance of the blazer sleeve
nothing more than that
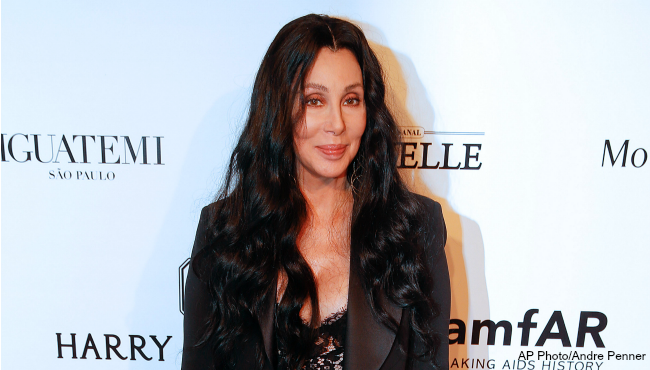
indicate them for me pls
(197, 308)
(436, 238)
(442, 286)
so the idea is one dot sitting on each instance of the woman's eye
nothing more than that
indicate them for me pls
(314, 102)
(351, 101)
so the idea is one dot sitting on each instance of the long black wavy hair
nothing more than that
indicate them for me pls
(260, 211)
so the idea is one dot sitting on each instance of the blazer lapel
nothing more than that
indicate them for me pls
(367, 342)
(267, 324)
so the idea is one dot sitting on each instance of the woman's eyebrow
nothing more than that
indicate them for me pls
(317, 86)
(352, 87)
(323, 88)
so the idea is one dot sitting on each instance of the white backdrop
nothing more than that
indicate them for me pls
(95, 249)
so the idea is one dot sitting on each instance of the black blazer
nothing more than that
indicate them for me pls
(368, 345)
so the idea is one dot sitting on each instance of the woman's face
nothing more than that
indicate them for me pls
(328, 137)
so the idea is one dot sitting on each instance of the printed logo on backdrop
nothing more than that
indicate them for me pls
(638, 156)
(456, 152)
(111, 346)
(182, 278)
(81, 157)
(587, 334)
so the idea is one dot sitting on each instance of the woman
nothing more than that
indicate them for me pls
(316, 255)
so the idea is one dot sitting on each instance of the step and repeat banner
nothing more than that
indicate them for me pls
(528, 121)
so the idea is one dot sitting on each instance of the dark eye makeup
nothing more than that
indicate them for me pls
(315, 101)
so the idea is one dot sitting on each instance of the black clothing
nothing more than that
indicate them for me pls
(369, 345)
(329, 347)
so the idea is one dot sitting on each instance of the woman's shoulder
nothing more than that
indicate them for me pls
(429, 208)
(431, 218)
(205, 224)
(208, 211)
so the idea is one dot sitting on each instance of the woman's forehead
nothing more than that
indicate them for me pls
(334, 69)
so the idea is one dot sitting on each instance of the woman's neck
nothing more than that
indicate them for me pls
(328, 206)
(326, 198)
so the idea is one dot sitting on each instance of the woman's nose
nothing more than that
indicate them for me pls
(335, 123)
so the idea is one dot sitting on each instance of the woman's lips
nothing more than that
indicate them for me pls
(332, 150)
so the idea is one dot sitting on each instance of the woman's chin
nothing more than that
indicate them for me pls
(325, 176)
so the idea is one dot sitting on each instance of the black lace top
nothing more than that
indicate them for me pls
(327, 354)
